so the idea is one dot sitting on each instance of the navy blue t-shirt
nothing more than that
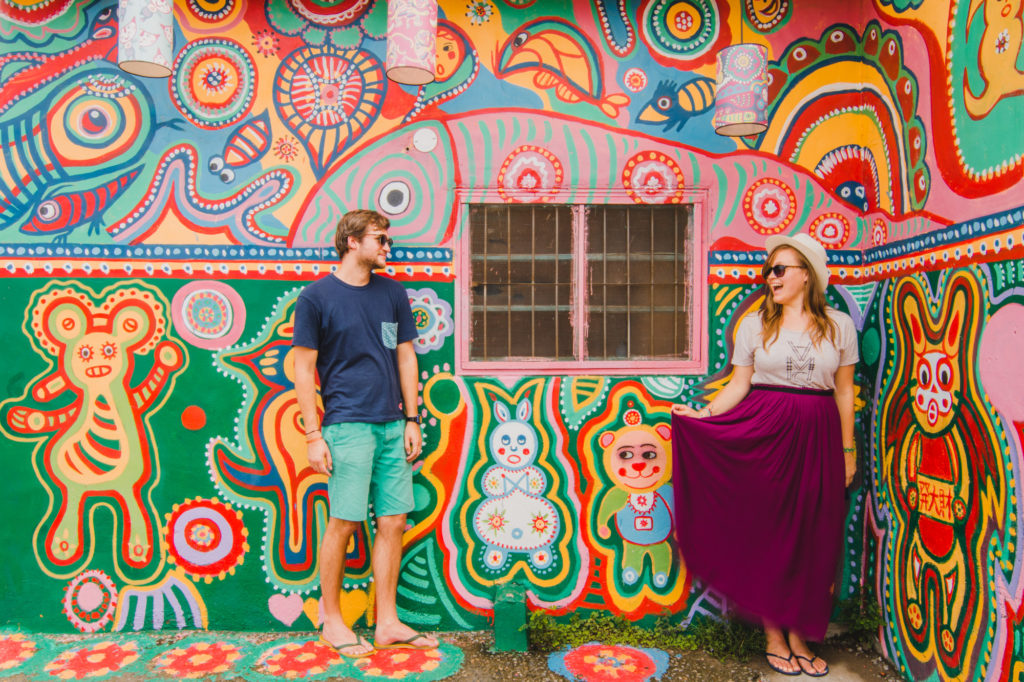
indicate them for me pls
(355, 331)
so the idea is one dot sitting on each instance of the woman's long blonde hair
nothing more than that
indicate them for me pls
(822, 326)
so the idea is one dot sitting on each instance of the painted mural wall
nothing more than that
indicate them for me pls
(154, 235)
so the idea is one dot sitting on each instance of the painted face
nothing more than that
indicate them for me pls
(97, 359)
(636, 459)
(791, 285)
(935, 382)
(449, 54)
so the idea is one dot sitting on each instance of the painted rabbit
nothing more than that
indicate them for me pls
(515, 517)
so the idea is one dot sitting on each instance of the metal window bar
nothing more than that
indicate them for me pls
(585, 299)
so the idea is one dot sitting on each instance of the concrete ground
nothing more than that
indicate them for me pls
(463, 657)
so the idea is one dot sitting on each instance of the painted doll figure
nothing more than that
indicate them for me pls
(515, 517)
(636, 460)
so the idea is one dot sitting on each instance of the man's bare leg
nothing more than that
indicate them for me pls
(332, 571)
(387, 560)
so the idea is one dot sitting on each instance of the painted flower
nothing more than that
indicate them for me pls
(496, 521)
(296, 659)
(600, 663)
(397, 664)
(1002, 41)
(684, 22)
(15, 649)
(286, 148)
(98, 660)
(479, 12)
(635, 79)
(266, 43)
(540, 523)
(202, 659)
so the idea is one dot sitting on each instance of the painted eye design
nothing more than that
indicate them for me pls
(505, 440)
(109, 350)
(520, 39)
(521, 439)
(626, 454)
(85, 353)
(394, 197)
(924, 375)
(945, 374)
(649, 454)
(663, 103)
(48, 211)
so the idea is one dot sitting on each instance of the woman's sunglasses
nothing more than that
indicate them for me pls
(382, 239)
(778, 270)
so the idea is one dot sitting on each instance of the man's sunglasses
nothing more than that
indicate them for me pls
(778, 270)
(382, 239)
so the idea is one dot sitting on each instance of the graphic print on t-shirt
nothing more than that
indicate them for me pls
(800, 365)
(389, 334)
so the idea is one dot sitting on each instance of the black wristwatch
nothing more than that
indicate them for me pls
(414, 418)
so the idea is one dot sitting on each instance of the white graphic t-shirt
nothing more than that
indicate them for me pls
(792, 359)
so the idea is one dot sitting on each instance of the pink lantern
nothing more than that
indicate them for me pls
(145, 37)
(741, 98)
(412, 39)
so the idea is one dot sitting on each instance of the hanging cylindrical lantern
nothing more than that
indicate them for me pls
(741, 98)
(412, 36)
(145, 37)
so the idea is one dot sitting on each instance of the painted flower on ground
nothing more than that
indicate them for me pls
(15, 649)
(98, 660)
(605, 663)
(479, 12)
(201, 659)
(397, 664)
(298, 659)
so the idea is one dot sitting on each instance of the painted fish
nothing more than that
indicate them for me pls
(247, 144)
(560, 58)
(60, 214)
(87, 130)
(672, 105)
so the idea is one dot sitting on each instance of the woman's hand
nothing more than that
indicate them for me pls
(686, 411)
(850, 455)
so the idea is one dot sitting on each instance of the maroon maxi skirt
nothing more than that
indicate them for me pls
(760, 505)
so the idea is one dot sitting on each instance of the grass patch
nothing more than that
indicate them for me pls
(861, 617)
(730, 639)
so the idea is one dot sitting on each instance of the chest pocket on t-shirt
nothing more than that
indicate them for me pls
(389, 334)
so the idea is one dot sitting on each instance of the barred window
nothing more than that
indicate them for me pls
(580, 286)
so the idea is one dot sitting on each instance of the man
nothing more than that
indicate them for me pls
(355, 330)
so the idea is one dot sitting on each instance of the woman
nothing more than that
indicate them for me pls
(759, 470)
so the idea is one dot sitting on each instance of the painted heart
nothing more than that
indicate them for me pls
(312, 608)
(285, 607)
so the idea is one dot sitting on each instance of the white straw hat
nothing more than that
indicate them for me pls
(809, 247)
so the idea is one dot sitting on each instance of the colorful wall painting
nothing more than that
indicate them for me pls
(154, 235)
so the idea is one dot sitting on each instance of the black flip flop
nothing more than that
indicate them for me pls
(810, 662)
(789, 659)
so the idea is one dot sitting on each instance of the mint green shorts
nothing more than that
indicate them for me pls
(368, 466)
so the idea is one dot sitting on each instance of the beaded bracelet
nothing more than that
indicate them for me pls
(849, 450)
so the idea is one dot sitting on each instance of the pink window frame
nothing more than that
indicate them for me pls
(696, 364)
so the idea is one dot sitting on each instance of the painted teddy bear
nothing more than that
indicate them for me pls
(636, 460)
